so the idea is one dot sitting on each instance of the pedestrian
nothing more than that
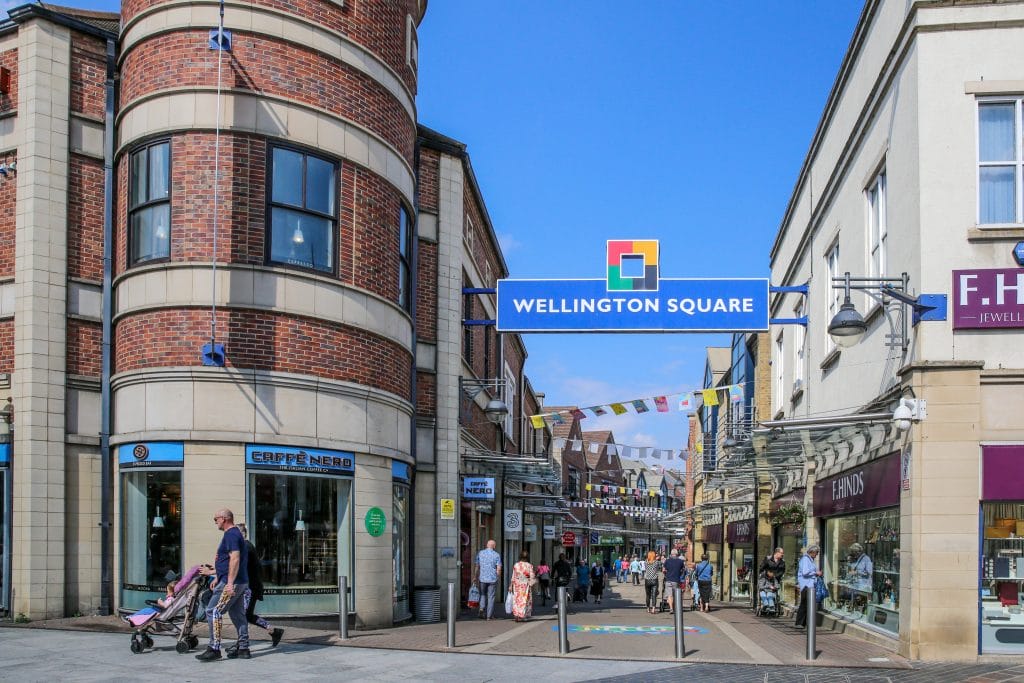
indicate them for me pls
(562, 573)
(674, 570)
(544, 577)
(597, 574)
(623, 573)
(487, 575)
(807, 574)
(253, 593)
(704, 573)
(524, 578)
(774, 563)
(634, 570)
(652, 570)
(582, 580)
(230, 583)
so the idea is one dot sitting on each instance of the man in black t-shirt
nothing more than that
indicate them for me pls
(231, 581)
(674, 566)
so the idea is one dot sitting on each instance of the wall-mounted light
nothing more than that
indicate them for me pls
(496, 410)
(847, 326)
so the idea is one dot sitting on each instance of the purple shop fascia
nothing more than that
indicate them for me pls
(741, 532)
(871, 486)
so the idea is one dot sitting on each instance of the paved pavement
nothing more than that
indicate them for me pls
(616, 640)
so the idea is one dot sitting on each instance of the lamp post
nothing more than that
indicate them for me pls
(847, 326)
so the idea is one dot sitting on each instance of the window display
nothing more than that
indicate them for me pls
(301, 528)
(400, 550)
(742, 572)
(862, 567)
(151, 518)
(1002, 578)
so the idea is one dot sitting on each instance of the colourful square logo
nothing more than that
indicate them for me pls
(632, 265)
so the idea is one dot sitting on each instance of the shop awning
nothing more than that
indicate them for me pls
(523, 469)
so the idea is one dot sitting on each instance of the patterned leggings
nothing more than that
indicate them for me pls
(250, 611)
(222, 603)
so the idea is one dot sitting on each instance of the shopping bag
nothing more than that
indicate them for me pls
(820, 590)
(474, 597)
(508, 603)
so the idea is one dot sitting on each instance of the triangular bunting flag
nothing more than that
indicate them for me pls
(579, 414)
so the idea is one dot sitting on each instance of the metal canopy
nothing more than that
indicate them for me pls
(523, 469)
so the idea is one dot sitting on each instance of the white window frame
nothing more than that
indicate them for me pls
(1017, 162)
(412, 48)
(469, 237)
(510, 400)
(799, 344)
(779, 372)
(833, 296)
(878, 227)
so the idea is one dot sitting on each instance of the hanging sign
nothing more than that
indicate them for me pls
(549, 532)
(447, 508)
(988, 298)
(513, 521)
(376, 522)
(289, 459)
(530, 532)
(478, 488)
(151, 454)
(568, 538)
(633, 298)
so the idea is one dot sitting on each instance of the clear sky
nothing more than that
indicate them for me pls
(685, 122)
(680, 121)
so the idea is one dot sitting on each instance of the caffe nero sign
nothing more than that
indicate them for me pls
(868, 487)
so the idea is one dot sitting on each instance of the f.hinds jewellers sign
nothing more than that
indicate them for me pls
(633, 297)
(868, 487)
(987, 299)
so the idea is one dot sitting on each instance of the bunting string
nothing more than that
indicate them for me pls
(624, 451)
(686, 401)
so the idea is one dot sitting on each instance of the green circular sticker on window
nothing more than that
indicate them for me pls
(375, 521)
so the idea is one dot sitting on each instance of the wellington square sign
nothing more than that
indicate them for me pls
(633, 298)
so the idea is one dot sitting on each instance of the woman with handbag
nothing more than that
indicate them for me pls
(524, 578)
(596, 580)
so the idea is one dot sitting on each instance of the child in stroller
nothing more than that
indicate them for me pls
(174, 614)
(768, 591)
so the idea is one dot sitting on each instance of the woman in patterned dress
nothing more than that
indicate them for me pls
(523, 578)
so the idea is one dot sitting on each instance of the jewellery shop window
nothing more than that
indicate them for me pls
(1002, 578)
(151, 516)
(300, 506)
(863, 567)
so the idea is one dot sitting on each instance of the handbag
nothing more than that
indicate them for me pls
(820, 589)
(508, 602)
(473, 601)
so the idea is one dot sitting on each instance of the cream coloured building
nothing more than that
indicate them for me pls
(915, 167)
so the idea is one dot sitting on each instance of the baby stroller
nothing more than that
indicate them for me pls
(690, 596)
(177, 618)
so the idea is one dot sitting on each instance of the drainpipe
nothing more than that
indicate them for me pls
(106, 463)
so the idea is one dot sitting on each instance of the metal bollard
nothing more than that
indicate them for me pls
(563, 622)
(453, 610)
(343, 606)
(811, 605)
(677, 600)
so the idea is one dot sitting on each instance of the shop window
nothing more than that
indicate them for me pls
(149, 204)
(1002, 578)
(862, 567)
(400, 550)
(151, 523)
(301, 528)
(303, 209)
(1000, 161)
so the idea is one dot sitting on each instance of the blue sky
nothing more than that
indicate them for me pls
(685, 122)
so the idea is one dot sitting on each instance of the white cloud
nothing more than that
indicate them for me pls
(508, 243)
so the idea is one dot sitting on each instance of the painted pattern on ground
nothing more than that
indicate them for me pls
(630, 630)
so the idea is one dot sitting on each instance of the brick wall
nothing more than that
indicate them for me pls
(8, 197)
(426, 394)
(83, 347)
(426, 293)
(9, 60)
(88, 75)
(429, 189)
(85, 218)
(7, 345)
(377, 25)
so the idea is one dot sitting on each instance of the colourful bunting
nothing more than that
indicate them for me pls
(598, 411)
(618, 408)
(662, 403)
(579, 414)
(686, 403)
(710, 397)
(640, 406)
(735, 393)
(537, 421)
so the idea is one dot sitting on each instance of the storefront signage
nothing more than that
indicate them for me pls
(610, 540)
(713, 534)
(289, 459)
(478, 488)
(868, 487)
(151, 454)
(549, 532)
(530, 532)
(568, 538)
(513, 521)
(5, 454)
(1002, 472)
(741, 532)
(988, 298)
(633, 298)
(447, 508)
(376, 522)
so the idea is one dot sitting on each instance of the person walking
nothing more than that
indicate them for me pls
(582, 580)
(562, 574)
(544, 577)
(634, 570)
(524, 578)
(487, 574)
(774, 563)
(253, 593)
(807, 574)
(230, 584)
(623, 574)
(597, 575)
(674, 570)
(704, 573)
(652, 570)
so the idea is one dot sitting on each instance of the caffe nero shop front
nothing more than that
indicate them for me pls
(859, 511)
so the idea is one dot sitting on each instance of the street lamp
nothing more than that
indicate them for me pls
(495, 410)
(847, 326)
